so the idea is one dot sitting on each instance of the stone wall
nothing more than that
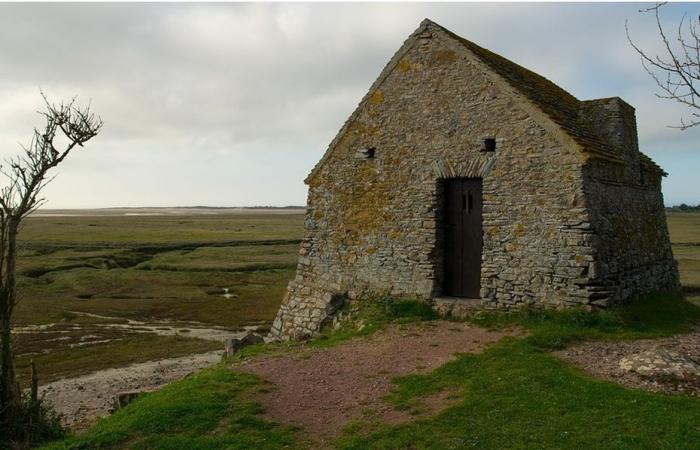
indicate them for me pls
(633, 248)
(562, 227)
(373, 224)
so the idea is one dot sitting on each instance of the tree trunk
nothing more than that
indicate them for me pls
(10, 394)
(35, 384)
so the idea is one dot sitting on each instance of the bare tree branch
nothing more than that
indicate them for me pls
(677, 73)
(26, 176)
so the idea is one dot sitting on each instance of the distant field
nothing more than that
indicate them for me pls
(181, 268)
(685, 237)
(66, 229)
(173, 268)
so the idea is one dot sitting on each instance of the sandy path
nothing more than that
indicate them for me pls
(81, 401)
(321, 390)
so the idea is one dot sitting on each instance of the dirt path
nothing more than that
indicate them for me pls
(81, 401)
(321, 390)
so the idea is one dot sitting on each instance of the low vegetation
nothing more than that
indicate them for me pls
(78, 275)
(514, 395)
(685, 238)
(211, 410)
(129, 348)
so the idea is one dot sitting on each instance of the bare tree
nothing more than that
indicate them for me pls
(677, 72)
(26, 176)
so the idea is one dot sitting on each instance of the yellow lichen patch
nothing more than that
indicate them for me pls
(358, 127)
(579, 259)
(404, 65)
(365, 204)
(511, 247)
(443, 57)
(318, 215)
(376, 98)
(371, 250)
(346, 144)
(519, 230)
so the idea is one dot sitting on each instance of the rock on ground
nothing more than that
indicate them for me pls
(662, 365)
(661, 362)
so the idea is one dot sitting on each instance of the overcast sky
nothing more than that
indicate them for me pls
(233, 104)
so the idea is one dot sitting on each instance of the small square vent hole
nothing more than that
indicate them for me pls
(369, 152)
(489, 145)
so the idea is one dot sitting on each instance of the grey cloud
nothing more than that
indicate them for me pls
(197, 89)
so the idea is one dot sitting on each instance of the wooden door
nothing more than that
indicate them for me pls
(463, 237)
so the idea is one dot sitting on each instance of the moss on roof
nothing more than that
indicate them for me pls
(560, 106)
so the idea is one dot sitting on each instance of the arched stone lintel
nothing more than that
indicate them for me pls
(478, 167)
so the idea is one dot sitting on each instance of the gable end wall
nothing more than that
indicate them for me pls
(373, 226)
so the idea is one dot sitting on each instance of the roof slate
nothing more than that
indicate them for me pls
(560, 106)
(650, 164)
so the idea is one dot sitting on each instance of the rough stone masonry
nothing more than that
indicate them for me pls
(572, 211)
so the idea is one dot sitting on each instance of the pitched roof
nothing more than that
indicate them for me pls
(651, 165)
(560, 106)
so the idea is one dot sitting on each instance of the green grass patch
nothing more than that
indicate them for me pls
(154, 295)
(230, 258)
(684, 228)
(211, 410)
(173, 268)
(515, 396)
(120, 231)
(653, 316)
(361, 319)
(410, 310)
(372, 314)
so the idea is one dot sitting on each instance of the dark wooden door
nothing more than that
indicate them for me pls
(463, 237)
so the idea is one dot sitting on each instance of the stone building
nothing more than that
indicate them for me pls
(464, 178)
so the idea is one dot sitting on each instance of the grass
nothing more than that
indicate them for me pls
(239, 258)
(684, 229)
(148, 268)
(210, 410)
(371, 315)
(514, 395)
(655, 316)
(361, 319)
(72, 362)
(688, 257)
(156, 295)
(120, 231)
